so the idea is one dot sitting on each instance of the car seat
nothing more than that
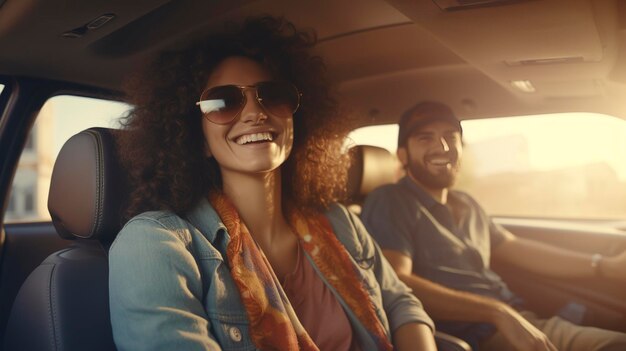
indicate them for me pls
(371, 167)
(63, 304)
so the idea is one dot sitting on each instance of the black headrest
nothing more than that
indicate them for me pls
(88, 187)
(371, 167)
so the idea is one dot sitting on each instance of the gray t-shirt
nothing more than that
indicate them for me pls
(449, 247)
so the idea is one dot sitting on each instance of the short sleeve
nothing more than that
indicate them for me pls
(155, 291)
(387, 222)
(497, 234)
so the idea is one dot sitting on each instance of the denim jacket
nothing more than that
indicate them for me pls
(170, 285)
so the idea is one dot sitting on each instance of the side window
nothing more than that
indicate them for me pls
(29, 201)
(30, 143)
(11, 207)
(568, 165)
(59, 119)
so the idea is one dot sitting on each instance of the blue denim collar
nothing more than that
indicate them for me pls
(204, 217)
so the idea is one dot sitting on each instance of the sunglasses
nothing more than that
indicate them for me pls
(222, 104)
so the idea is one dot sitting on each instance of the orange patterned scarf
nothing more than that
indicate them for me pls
(273, 322)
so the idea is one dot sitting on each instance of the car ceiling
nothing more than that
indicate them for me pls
(383, 55)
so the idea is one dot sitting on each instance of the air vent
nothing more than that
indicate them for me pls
(455, 5)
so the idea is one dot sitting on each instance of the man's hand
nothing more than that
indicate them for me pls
(448, 304)
(519, 332)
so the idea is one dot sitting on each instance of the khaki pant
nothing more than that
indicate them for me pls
(565, 336)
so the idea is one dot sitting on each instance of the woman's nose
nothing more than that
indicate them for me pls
(252, 111)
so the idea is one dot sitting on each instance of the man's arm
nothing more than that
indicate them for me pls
(414, 336)
(447, 304)
(552, 261)
(442, 302)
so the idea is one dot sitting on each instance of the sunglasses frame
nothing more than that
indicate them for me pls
(242, 90)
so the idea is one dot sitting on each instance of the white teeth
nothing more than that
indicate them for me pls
(250, 138)
(440, 161)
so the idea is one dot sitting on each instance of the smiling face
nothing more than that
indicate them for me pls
(255, 141)
(432, 155)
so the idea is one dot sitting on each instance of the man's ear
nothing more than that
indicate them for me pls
(403, 156)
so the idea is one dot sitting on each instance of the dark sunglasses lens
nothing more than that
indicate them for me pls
(279, 98)
(221, 104)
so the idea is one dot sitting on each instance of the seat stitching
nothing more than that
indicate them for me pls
(52, 308)
(97, 215)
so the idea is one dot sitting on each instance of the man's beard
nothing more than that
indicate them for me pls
(431, 180)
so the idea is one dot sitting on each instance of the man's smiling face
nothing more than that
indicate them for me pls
(432, 154)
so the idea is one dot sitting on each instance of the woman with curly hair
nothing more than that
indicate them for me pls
(236, 241)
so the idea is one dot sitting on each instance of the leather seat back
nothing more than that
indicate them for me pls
(64, 303)
(371, 167)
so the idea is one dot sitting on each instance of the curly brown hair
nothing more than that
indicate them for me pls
(163, 146)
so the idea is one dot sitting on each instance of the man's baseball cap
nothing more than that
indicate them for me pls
(422, 114)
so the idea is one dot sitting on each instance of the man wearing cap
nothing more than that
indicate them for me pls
(440, 242)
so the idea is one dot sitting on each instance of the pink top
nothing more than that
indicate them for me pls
(317, 308)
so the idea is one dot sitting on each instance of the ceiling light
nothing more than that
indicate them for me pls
(523, 85)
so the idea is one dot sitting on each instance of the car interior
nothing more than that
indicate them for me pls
(484, 58)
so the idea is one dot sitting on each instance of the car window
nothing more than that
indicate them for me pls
(59, 119)
(544, 166)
